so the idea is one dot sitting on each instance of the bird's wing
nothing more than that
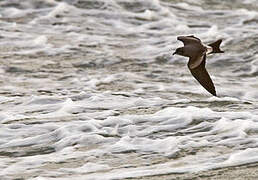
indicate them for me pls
(194, 37)
(201, 75)
(188, 39)
(194, 62)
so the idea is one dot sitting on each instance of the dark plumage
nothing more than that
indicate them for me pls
(197, 51)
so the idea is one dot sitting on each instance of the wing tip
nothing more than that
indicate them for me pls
(214, 93)
(211, 90)
(179, 38)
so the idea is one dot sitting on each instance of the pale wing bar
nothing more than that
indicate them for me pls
(201, 75)
(188, 39)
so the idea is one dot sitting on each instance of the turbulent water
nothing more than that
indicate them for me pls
(90, 89)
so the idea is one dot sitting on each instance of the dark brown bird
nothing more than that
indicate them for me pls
(197, 51)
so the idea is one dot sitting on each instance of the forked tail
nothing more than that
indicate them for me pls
(215, 46)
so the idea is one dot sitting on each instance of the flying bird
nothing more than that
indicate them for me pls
(197, 52)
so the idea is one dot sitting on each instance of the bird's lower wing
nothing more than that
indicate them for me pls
(201, 75)
(196, 61)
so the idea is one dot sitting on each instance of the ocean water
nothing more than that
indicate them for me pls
(89, 89)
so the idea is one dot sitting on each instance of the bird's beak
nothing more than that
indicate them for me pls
(174, 53)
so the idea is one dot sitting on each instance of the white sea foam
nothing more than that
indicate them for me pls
(225, 131)
(88, 168)
(60, 9)
(13, 13)
(147, 15)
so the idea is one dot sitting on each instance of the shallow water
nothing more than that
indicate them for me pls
(89, 89)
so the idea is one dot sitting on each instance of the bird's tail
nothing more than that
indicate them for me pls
(215, 46)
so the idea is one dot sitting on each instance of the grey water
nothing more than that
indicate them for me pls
(89, 89)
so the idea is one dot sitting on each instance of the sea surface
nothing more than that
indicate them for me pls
(89, 89)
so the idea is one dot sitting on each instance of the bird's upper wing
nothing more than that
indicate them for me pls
(194, 37)
(201, 75)
(188, 39)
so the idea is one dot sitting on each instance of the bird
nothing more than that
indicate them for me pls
(197, 52)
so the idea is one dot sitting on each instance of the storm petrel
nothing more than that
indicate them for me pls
(197, 51)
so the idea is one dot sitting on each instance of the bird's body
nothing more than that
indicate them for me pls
(197, 52)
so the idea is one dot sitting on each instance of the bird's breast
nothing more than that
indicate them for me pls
(193, 50)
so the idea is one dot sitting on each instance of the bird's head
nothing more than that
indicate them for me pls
(179, 51)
